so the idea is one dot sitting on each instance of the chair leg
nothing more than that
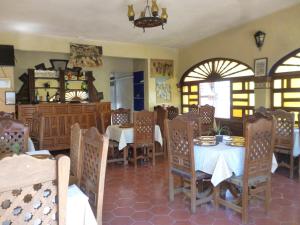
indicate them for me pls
(299, 167)
(153, 155)
(245, 205)
(171, 186)
(291, 166)
(217, 195)
(134, 157)
(268, 196)
(193, 196)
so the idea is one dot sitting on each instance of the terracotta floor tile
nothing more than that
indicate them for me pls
(140, 197)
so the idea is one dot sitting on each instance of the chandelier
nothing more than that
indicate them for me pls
(149, 17)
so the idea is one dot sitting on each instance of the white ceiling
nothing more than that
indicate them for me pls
(189, 20)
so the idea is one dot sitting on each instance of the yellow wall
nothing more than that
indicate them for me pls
(283, 36)
(31, 42)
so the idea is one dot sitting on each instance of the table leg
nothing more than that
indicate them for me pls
(216, 195)
(125, 155)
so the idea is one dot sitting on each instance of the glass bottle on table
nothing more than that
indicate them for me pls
(47, 97)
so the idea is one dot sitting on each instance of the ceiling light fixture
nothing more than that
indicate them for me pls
(149, 17)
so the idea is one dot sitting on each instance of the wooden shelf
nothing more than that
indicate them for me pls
(46, 78)
(47, 88)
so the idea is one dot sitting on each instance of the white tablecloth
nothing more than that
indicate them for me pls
(125, 135)
(31, 147)
(79, 211)
(296, 151)
(221, 161)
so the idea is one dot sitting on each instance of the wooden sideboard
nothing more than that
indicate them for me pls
(59, 117)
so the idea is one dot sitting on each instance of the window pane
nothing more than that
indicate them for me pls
(239, 103)
(185, 109)
(237, 86)
(296, 116)
(277, 99)
(193, 96)
(194, 88)
(193, 103)
(185, 99)
(216, 94)
(240, 96)
(251, 85)
(246, 85)
(285, 83)
(291, 95)
(295, 82)
(252, 100)
(277, 84)
(185, 89)
(237, 113)
(291, 104)
(250, 112)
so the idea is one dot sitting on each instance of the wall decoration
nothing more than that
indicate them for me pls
(260, 67)
(10, 98)
(161, 68)
(163, 91)
(5, 83)
(85, 55)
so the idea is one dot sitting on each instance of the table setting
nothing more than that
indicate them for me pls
(221, 159)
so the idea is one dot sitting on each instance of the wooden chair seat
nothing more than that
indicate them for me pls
(199, 174)
(253, 181)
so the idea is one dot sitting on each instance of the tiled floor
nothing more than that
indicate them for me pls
(140, 197)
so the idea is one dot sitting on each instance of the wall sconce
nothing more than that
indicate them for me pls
(259, 38)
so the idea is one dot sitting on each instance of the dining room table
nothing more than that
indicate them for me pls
(124, 135)
(222, 161)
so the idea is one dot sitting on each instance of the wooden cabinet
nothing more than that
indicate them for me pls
(58, 119)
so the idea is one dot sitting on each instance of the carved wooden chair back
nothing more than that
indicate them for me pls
(144, 125)
(120, 116)
(13, 136)
(284, 129)
(195, 122)
(33, 191)
(259, 144)
(37, 130)
(7, 115)
(76, 149)
(94, 158)
(161, 115)
(180, 146)
(172, 112)
(207, 116)
(194, 108)
(105, 121)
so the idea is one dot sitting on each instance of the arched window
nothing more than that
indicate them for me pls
(285, 86)
(225, 83)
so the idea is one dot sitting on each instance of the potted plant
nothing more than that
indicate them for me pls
(220, 131)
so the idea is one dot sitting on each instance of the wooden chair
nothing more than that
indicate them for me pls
(182, 163)
(13, 136)
(259, 146)
(37, 130)
(284, 142)
(33, 190)
(161, 116)
(172, 112)
(207, 117)
(143, 132)
(194, 119)
(105, 121)
(7, 115)
(120, 116)
(75, 152)
(194, 108)
(94, 156)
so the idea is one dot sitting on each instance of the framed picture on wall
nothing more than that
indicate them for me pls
(260, 67)
(10, 98)
(161, 68)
